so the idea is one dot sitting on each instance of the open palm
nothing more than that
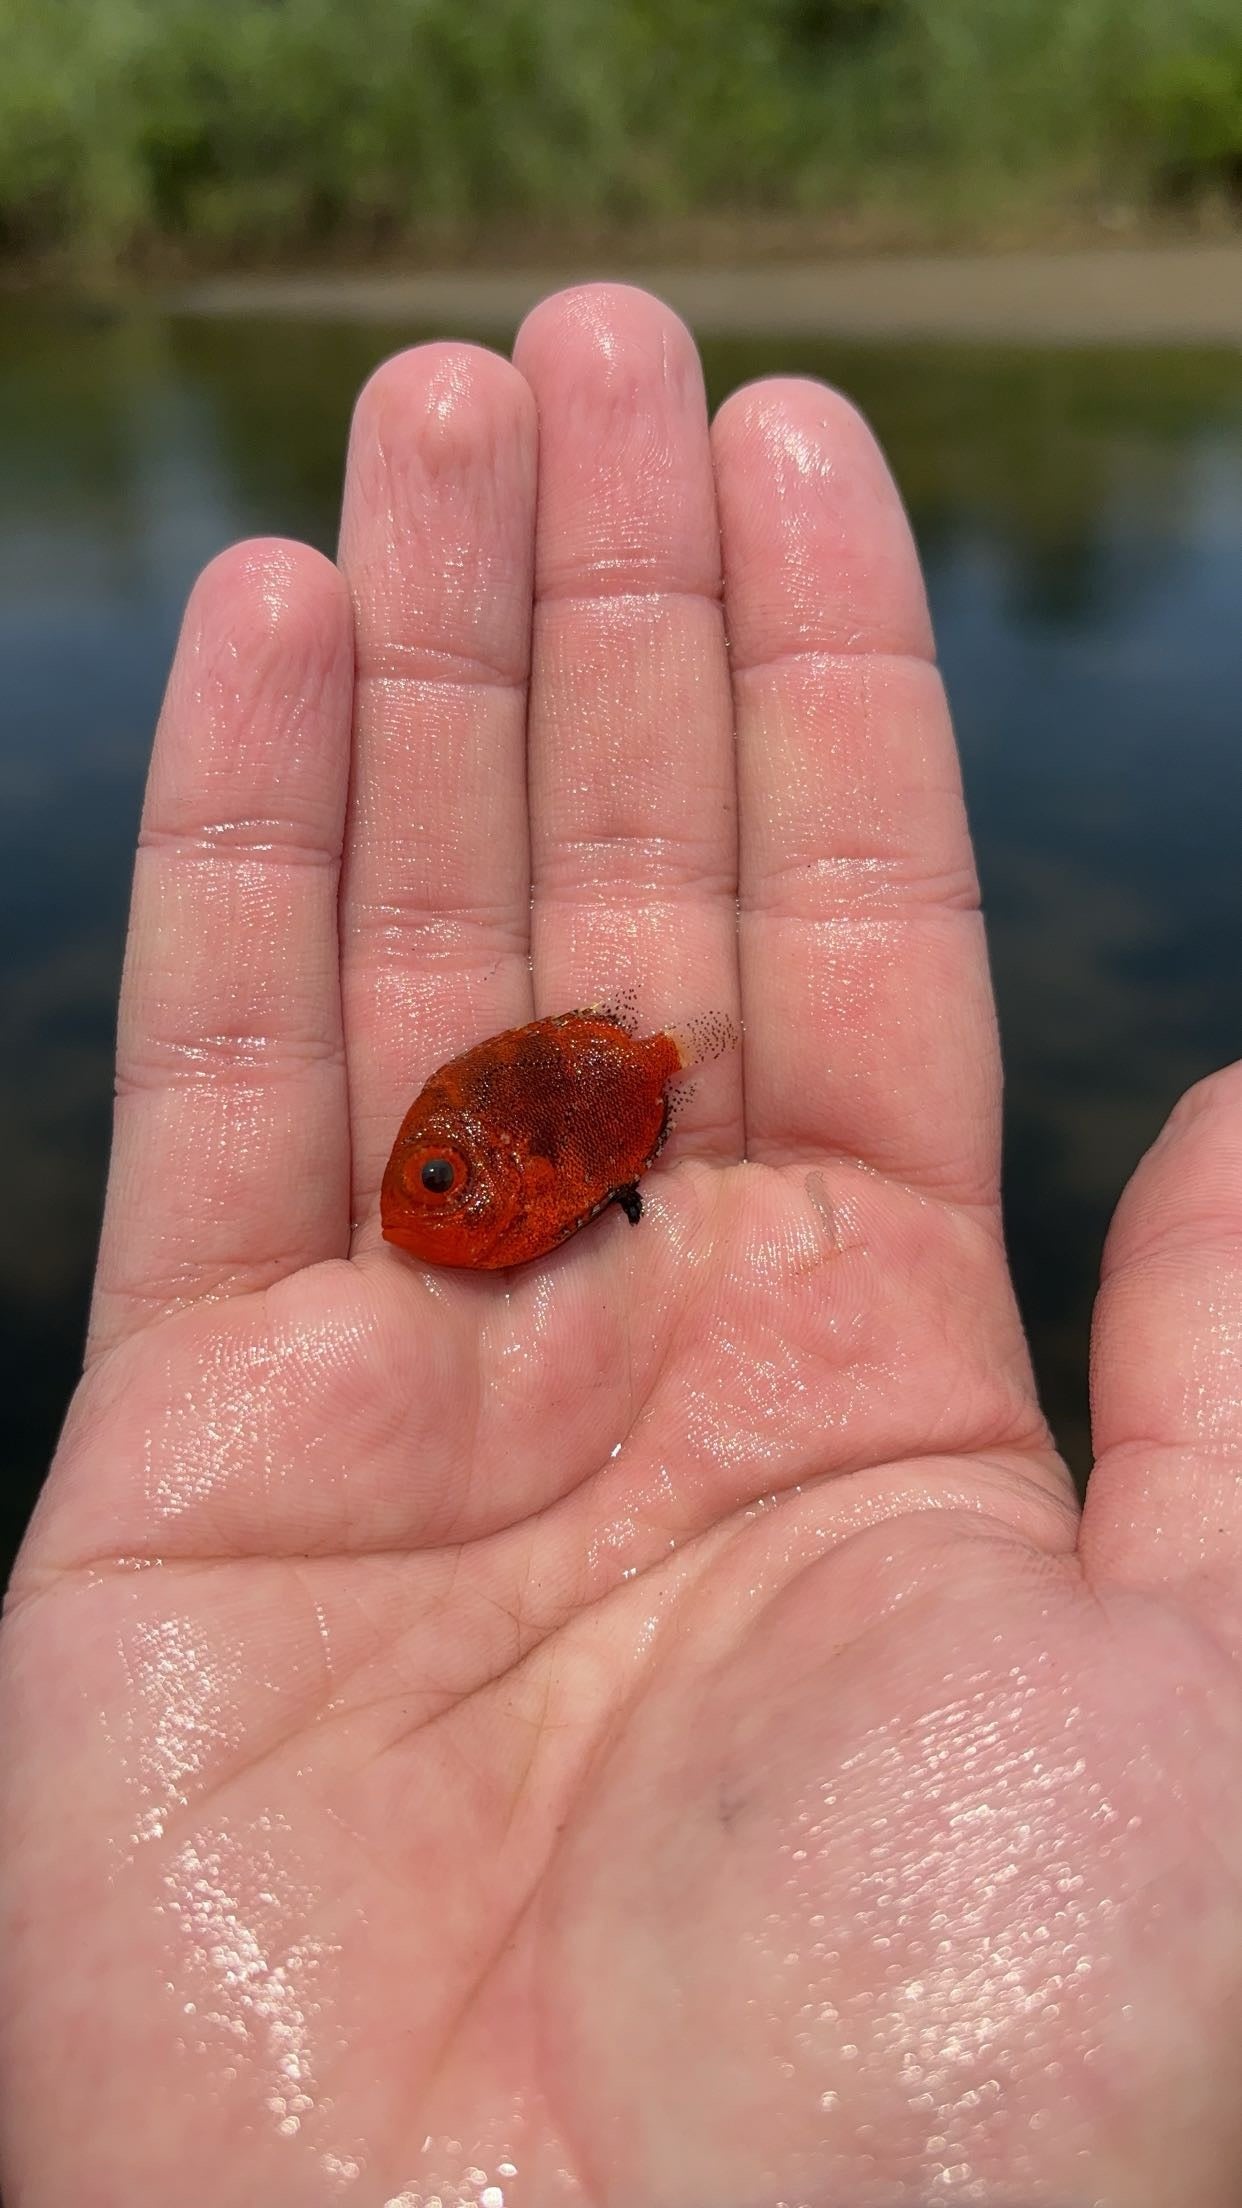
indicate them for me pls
(650, 1730)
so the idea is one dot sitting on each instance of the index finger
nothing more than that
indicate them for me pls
(870, 1032)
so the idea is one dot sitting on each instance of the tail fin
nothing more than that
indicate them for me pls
(699, 1040)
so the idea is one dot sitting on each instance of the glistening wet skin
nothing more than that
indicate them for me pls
(1080, 518)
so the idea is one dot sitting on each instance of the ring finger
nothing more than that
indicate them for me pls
(437, 543)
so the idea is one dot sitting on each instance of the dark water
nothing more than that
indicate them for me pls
(1081, 518)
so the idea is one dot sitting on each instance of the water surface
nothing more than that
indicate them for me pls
(1081, 520)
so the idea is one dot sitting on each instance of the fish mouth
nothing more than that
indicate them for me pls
(401, 1237)
(417, 1232)
(425, 1242)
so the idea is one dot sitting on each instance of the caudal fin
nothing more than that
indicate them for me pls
(703, 1038)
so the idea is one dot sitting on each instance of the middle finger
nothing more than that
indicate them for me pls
(632, 786)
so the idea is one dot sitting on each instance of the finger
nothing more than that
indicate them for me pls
(437, 542)
(869, 1023)
(1164, 1502)
(230, 1151)
(633, 812)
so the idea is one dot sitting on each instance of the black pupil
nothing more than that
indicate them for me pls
(437, 1175)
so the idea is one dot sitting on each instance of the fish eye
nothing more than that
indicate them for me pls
(432, 1171)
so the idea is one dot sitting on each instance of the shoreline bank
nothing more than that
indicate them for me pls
(1141, 295)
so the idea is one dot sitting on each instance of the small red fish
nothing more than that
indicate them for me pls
(512, 1147)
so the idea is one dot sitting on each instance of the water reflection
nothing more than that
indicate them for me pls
(1081, 518)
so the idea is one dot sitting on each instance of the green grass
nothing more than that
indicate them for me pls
(234, 130)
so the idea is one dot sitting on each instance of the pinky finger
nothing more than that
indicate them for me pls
(230, 1145)
(1164, 1505)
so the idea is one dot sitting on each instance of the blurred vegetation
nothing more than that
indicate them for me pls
(222, 130)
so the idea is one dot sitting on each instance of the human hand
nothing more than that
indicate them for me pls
(650, 1730)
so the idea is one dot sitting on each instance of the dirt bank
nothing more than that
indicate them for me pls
(1141, 295)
